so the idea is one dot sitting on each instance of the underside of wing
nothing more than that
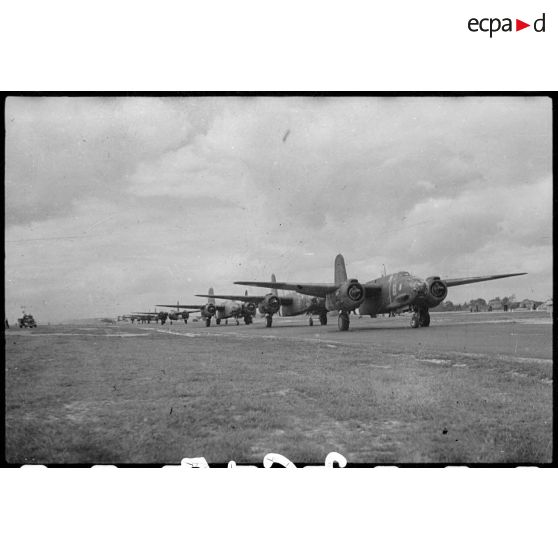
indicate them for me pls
(145, 313)
(175, 306)
(371, 291)
(240, 298)
(467, 280)
(313, 289)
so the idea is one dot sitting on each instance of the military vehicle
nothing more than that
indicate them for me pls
(27, 321)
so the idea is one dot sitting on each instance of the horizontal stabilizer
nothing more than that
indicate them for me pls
(468, 280)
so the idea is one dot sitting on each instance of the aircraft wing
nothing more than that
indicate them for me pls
(467, 280)
(175, 306)
(372, 290)
(313, 289)
(241, 298)
(145, 313)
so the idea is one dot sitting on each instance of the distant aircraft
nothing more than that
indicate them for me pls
(396, 292)
(174, 316)
(207, 310)
(147, 316)
(127, 317)
(293, 305)
(235, 306)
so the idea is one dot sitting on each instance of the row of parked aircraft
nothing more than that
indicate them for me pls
(397, 292)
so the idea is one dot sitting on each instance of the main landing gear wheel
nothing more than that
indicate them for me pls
(268, 321)
(218, 321)
(247, 320)
(323, 319)
(424, 319)
(237, 322)
(414, 321)
(208, 322)
(310, 321)
(343, 322)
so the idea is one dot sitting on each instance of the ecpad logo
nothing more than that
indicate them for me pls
(493, 25)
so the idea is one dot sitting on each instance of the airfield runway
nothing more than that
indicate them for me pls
(471, 388)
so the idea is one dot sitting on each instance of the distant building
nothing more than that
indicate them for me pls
(529, 304)
(546, 306)
(495, 304)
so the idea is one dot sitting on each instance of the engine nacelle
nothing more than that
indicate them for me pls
(249, 309)
(270, 304)
(347, 297)
(208, 310)
(436, 290)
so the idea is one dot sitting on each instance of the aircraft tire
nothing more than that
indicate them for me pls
(310, 322)
(343, 322)
(208, 322)
(237, 322)
(424, 320)
(323, 319)
(414, 321)
(218, 321)
(268, 321)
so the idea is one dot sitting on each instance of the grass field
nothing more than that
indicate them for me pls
(89, 395)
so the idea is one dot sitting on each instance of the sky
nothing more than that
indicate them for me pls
(116, 204)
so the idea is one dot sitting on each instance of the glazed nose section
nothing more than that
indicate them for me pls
(420, 289)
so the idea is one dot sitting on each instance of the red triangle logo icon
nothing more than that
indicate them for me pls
(519, 25)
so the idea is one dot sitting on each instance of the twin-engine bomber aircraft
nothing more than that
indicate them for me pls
(272, 303)
(399, 291)
(224, 311)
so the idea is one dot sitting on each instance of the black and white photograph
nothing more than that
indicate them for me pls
(288, 278)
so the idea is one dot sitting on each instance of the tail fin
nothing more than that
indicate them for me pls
(340, 275)
(273, 280)
(210, 297)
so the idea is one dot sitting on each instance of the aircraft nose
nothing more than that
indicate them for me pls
(420, 289)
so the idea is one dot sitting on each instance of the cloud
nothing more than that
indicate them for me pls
(120, 202)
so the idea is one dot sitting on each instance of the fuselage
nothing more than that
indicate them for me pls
(303, 304)
(402, 290)
(232, 309)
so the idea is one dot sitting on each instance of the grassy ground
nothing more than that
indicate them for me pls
(158, 398)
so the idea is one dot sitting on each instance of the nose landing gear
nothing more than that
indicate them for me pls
(420, 318)
(343, 321)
